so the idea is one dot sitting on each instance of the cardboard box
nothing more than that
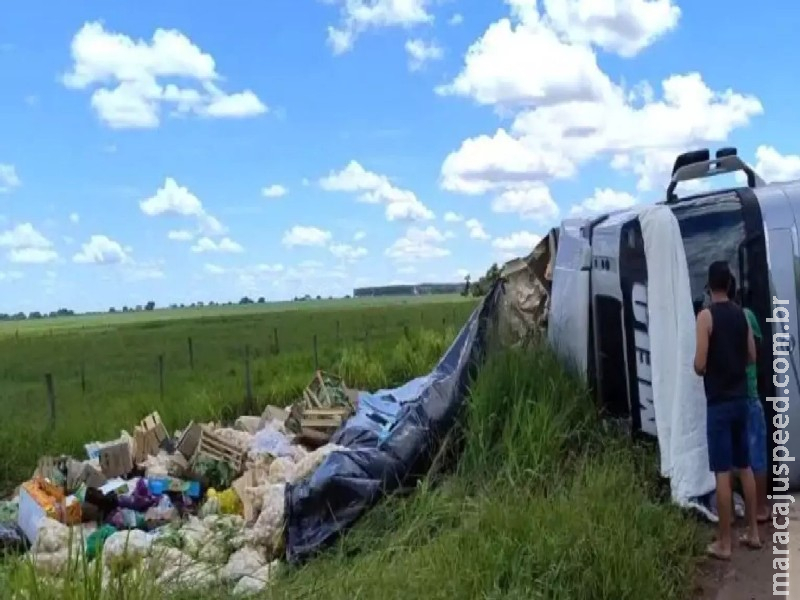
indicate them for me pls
(189, 441)
(116, 459)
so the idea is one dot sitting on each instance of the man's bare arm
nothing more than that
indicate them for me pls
(703, 330)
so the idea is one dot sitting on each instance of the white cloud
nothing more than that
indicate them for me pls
(359, 235)
(26, 245)
(401, 205)
(418, 244)
(206, 244)
(274, 191)
(529, 202)
(74, 218)
(624, 28)
(175, 199)
(774, 166)
(476, 230)
(24, 235)
(451, 217)
(347, 252)
(172, 199)
(101, 250)
(515, 244)
(127, 76)
(421, 52)
(358, 16)
(603, 200)
(210, 225)
(521, 240)
(10, 275)
(180, 235)
(300, 235)
(568, 111)
(8, 178)
(456, 19)
(32, 256)
(214, 269)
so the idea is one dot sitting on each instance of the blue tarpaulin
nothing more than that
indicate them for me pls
(391, 441)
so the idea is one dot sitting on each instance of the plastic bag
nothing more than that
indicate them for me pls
(12, 540)
(269, 441)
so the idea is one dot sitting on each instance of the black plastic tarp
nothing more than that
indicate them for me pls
(391, 440)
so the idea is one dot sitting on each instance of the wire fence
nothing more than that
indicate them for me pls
(56, 380)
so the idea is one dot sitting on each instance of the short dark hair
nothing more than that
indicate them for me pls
(719, 276)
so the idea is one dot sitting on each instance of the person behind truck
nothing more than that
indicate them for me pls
(725, 346)
(756, 422)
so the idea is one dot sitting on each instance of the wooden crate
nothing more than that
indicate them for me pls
(148, 437)
(216, 448)
(315, 426)
(190, 439)
(318, 394)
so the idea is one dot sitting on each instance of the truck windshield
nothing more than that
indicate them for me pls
(712, 229)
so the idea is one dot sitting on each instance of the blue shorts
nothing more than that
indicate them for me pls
(757, 435)
(728, 444)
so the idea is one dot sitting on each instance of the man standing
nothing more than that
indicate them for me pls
(756, 424)
(725, 346)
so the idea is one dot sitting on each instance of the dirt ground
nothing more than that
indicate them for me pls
(748, 576)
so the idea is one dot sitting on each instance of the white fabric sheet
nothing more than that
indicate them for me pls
(678, 394)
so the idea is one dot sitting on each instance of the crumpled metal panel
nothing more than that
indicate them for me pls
(523, 311)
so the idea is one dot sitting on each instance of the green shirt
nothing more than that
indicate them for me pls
(752, 377)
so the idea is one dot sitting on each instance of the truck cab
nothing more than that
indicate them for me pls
(600, 288)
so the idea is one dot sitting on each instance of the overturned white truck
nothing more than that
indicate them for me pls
(625, 288)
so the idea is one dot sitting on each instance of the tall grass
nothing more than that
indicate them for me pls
(546, 502)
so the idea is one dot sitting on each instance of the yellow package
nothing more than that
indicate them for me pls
(229, 502)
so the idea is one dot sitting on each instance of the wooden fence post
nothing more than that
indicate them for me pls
(83, 377)
(51, 398)
(161, 377)
(191, 353)
(248, 383)
(276, 347)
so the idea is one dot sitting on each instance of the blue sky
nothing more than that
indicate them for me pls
(173, 152)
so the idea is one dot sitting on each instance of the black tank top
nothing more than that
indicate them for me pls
(726, 367)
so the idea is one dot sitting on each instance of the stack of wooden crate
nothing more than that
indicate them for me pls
(326, 404)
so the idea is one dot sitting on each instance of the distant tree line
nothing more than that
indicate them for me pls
(21, 316)
(478, 288)
(420, 289)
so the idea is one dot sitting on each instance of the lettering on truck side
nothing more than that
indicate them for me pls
(644, 376)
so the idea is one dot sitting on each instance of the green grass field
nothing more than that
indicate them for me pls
(107, 375)
(546, 501)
